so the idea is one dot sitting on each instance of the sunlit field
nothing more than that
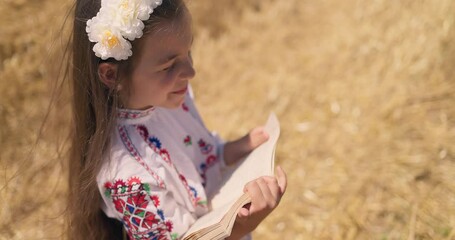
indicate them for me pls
(364, 91)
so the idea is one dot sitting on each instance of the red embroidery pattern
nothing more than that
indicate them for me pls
(185, 107)
(204, 167)
(155, 145)
(131, 114)
(187, 140)
(205, 147)
(133, 151)
(132, 199)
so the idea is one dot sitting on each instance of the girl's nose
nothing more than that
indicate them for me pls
(188, 71)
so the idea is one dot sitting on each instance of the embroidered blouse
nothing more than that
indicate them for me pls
(163, 166)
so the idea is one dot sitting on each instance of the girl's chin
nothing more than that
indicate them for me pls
(174, 105)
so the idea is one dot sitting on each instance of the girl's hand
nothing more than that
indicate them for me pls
(235, 150)
(255, 138)
(266, 193)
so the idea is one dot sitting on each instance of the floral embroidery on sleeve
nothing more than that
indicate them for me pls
(187, 140)
(206, 148)
(204, 167)
(133, 200)
(156, 145)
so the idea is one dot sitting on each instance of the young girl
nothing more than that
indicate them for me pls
(142, 159)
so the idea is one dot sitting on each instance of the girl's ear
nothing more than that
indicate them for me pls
(108, 74)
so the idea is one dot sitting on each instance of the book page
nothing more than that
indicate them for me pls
(258, 163)
(215, 217)
(208, 219)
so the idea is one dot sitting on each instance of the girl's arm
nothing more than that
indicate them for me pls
(236, 150)
(266, 193)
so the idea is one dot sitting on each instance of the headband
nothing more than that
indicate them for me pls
(117, 22)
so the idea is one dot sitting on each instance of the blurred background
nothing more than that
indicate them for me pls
(364, 90)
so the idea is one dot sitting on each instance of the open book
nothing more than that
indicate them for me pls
(225, 205)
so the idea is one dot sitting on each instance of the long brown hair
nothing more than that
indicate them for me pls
(94, 114)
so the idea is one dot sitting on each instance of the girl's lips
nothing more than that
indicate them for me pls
(181, 91)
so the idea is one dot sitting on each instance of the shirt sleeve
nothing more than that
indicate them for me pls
(146, 209)
(189, 104)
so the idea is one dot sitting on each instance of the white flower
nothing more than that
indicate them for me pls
(117, 21)
(109, 41)
(127, 16)
(155, 3)
(113, 45)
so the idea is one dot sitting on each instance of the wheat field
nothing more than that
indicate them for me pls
(364, 90)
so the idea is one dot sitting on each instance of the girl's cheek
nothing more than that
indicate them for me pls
(167, 79)
(171, 75)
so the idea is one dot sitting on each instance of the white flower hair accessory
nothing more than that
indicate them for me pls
(117, 22)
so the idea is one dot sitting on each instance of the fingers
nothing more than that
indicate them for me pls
(243, 213)
(255, 192)
(257, 136)
(270, 192)
(282, 179)
(265, 194)
(274, 188)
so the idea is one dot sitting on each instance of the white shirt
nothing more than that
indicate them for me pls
(163, 166)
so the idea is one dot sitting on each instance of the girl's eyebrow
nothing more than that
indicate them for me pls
(167, 59)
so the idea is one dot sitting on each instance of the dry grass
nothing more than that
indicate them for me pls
(365, 92)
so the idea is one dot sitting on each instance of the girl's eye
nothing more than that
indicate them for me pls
(167, 68)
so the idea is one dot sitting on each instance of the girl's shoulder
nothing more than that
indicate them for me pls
(126, 159)
(116, 163)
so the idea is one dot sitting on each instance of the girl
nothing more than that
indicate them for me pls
(142, 159)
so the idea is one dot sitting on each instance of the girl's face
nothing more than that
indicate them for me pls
(161, 73)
